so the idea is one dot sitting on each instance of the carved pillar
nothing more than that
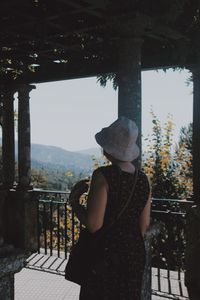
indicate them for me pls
(8, 138)
(129, 73)
(192, 275)
(24, 144)
(20, 207)
(196, 133)
(129, 78)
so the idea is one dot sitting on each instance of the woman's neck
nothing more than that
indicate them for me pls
(125, 166)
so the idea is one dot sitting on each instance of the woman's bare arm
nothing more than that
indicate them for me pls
(144, 220)
(97, 201)
(93, 216)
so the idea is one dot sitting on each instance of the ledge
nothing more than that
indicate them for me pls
(12, 260)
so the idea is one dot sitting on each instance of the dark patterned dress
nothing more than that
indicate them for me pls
(124, 259)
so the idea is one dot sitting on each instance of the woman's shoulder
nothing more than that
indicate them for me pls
(144, 179)
(142, 173)
(107, 171)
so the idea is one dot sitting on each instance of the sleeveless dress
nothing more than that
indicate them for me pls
(124, 259)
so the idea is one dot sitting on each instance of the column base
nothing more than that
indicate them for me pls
(22, 188)
(192, 274)
(21, 220)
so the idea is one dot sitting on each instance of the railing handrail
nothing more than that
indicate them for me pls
(43, 191)
(173, 200)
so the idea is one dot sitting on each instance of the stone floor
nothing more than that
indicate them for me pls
(37, 285)
(43, 280)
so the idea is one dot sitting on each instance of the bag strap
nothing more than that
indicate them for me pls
(105, 229)
(130, 196)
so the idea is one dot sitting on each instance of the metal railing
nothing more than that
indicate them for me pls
(58, 229)
(168, 250)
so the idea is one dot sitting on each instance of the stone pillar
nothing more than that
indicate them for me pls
(8, 138)
(192, 255)
(24, 143)
(196, 134)
(192, 275)
(20, 207)
(129, 79)
(129, 72)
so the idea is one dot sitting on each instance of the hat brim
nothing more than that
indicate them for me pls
(125, 154)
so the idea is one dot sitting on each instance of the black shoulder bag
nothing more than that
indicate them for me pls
(89, 249)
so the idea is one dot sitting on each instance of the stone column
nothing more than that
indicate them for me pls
(196, 133)
(24, 143)
(129, 72)
(192, 275)
(8, 138)
(20, 205)
(129, 78)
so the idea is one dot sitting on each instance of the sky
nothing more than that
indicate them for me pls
(67, 114)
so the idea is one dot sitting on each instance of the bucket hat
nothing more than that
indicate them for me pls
(119, 139)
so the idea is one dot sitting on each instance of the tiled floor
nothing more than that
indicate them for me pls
(32, 284)
(38, 285)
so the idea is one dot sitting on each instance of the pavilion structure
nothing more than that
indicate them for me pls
(44, 41)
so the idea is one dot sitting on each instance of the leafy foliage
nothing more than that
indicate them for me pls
(104, 78)
(52, 179)
(169, 169)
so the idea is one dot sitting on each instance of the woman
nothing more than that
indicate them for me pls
(123, 265)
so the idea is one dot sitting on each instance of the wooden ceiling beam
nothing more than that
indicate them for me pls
(80, 8)
(57, 72)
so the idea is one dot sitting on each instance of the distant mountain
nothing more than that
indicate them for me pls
(91, 151)
(55, 157)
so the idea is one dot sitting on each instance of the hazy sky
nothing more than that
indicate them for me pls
(67, 114)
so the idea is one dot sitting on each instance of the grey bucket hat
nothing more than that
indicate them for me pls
(119, 139)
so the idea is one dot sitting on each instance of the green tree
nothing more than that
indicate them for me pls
(186, 137)
(38, 179)
(183, 159)
(169, 167)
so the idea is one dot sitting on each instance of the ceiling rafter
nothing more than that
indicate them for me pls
(80, 8)
(76, 31)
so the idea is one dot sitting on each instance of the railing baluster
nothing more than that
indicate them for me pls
(58, 228)
(39, 227)
(65, 229)
(73, 221)
(45, 227)
(159, 280)
(51, 228)
(169, 282)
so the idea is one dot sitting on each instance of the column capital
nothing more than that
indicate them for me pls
(26, 87)
(8, 90)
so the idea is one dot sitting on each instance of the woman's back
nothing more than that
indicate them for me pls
(125, 253)
(120, 186)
